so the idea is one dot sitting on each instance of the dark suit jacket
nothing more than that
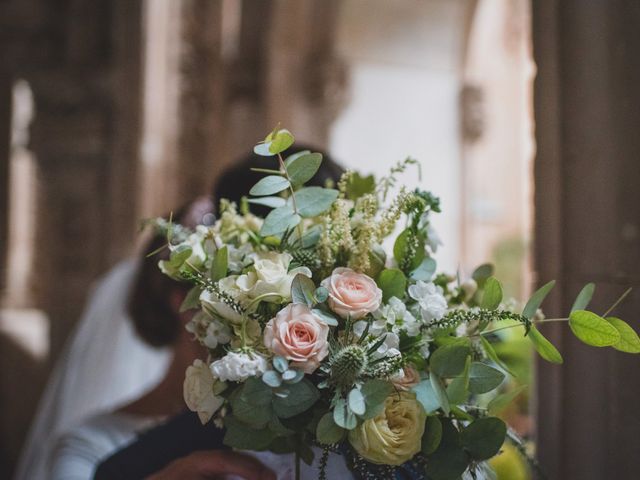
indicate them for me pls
(156, 448)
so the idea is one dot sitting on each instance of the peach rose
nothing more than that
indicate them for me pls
(299, 336)
(410, 378)
(352, 294)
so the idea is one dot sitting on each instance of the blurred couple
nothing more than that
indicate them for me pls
(113, 407)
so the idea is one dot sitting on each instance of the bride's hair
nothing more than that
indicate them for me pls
(154, 317)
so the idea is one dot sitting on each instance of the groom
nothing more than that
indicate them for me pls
(184, 449)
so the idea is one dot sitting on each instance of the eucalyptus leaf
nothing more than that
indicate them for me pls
(302, 396)
(483, 378)
(449, 360)
(592, 329)
(356, 402)
(629, 341)
(343, 416)
(302, 168)
(325, 317)
(544, 347)
(441, 394)
(269, 185)
(392, 282)
(312, 201)
(536, 299)
(584, 297)
(425, 270)
(279, 220)
(484, 437)
(432, 435)
(327, 431)
(492, 295)
(271, 202)
(302, 290)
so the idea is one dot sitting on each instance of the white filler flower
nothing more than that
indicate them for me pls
(238, 366)
(429, 296)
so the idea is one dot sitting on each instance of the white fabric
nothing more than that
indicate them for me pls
(104, 365)
(76, 455)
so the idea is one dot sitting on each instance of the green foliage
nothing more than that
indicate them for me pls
(312, 201)
(425, 270)
(279, 220)
(408, 250)
(269, 185)
(629, 341)
(483, 378)
(343, 416)
(302, 290)
(500, 402)
(302, 168)
(544, 347)
(357, 185)
(484, 437)
(536, 299)
(482, 273)
(584, 297)
(220, 264)
(375, 392)
(458, 389)
(449, 360)
(327, 431)
(392, 282)
(492, 295)
(450, 460)
(432, 435)
(593, 329)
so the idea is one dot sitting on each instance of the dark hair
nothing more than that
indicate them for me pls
(154, 318)
(236, 182)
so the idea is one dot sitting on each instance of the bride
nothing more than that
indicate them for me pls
(109, 385)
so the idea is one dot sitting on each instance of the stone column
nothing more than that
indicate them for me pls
(588, 227)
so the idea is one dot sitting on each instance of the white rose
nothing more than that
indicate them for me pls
(430, 297)
(270, 276)
(200, 391)
(238, 366)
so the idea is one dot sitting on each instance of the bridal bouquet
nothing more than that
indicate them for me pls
(317, 336)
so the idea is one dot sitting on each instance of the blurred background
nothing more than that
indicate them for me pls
(114, 111)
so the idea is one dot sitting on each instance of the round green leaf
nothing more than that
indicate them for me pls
(356, 402)
(484, 437)
(483, 378)
(592, 329)
(393, 283)
(269, 185)
(629, 341)
(432, 435)
(312, 201)
(302, 168)
(327, 432)
(492, 294)
(449, 360)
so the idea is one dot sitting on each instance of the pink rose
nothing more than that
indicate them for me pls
(351, 293)
(299, 336)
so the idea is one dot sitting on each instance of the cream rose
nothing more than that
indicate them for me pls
(352, 294)
(270, 276)
(299, 336)
(200, 391)
(394, 436)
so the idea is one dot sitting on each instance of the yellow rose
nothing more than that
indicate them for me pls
(394, 436)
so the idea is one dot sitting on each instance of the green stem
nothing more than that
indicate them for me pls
(535, 322)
